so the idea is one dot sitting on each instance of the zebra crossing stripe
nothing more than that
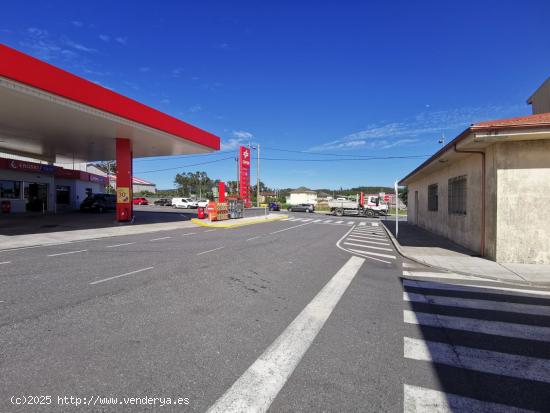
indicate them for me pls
(477, 304)
(328, 221)
(350, 222)
(352, 238)
(393, 257)
(499, 328)
(485, 361)
(422, 400)
(285, 219)
(339, 222)
(366, 236)
(471, 288)
(317, 220)
(307, 219)
(362, 224)
(408, 265)
(374, 224)
(429, 274)
(368, 246)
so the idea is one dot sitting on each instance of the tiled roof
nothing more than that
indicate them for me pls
(540, 119)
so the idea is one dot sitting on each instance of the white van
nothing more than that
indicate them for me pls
(182, 203)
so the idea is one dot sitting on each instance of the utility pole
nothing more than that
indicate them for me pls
(258, 179)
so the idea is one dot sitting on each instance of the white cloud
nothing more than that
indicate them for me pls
(165, 101)
(105, 37)
(241, 134)
(177, 72)
(144, 69)
(121, 40)
(79, 46)
(238, 138)
(409, 131)
(77, 23)
(195, 108)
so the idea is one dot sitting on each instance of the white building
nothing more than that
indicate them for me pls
(302, 195)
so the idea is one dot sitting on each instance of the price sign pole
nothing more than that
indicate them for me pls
(396, 211)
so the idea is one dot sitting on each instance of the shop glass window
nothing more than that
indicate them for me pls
(457, 195)
(433, 199)
(10, 189)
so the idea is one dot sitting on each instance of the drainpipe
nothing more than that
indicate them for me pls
(482, 241)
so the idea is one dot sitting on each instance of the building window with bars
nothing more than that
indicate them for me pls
(457, 195)
(433, 199)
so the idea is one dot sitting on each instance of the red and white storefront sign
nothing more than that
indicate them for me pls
(244, 175)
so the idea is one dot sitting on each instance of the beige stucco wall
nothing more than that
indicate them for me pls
(462, 229)
(523, 221)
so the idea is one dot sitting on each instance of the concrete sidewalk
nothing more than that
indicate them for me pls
(232, 223)
(59, 237)
(440, 253)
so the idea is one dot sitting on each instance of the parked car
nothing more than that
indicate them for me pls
(163, 202)
(99, 203)
(140, 201)
(182, 203)
(301, 208)
(274, 206)
(202, 203)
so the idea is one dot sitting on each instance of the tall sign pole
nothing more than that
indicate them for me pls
(396, 211)
(258, 179)
(244, 175)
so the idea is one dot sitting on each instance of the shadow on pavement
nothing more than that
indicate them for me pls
(26, 224)
(413, 236)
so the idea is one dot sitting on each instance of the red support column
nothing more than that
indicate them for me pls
(221, 191)
(124, 210)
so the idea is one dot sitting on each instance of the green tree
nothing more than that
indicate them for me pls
(404, 194)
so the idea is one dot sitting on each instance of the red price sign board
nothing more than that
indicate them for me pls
(387, 198)
(244, 175)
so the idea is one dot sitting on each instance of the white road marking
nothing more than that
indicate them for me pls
(429, 274)
(285, 219)
(307, 219)
(286, 229)
(158, 239)
(478, 304)
(374, 224)
(504, 364)
(317, 220)
(368, 236)
(356, 253)
(362, 224)
(5, 262)
(119, 245)
(250, 239)
(393, 257)
(206, 252)
(368, 246)
(188, 233)
(210, 230)
(256, 389)
(121, 275)
(339, 222)
(361, 239)
(328, 221)
(369, 233)
(66, 253)
(408, 265)
(350, 222)
(422, 400)
(470, 288)
(500, 328)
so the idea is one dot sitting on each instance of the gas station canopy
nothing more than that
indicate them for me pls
(47, 113)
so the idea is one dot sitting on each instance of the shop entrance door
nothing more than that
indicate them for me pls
(37, 197)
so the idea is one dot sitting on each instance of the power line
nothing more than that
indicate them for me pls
(317, 153)
(372, 158)
(162, 158)
(186, 166)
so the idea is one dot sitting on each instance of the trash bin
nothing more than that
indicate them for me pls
(200, 213)
(6, 207)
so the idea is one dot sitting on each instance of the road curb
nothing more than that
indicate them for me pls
(207, 224)
(435, 267)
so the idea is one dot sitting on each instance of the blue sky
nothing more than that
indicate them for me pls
(357, 78)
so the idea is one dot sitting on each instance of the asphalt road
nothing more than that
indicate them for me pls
(314, 313)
